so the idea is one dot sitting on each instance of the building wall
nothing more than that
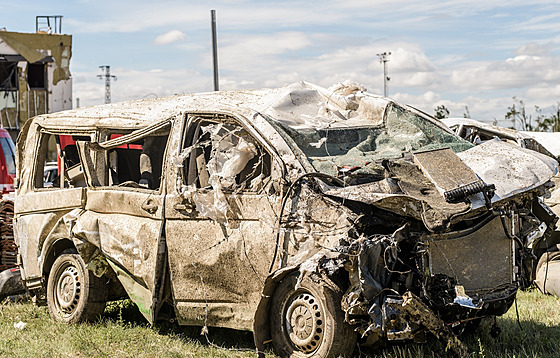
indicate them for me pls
(54, 51)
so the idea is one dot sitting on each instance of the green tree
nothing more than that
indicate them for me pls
(542, 122)
(441, 112)
(517, 114)
(548, 123)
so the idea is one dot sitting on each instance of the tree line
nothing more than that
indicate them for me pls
(520, 119)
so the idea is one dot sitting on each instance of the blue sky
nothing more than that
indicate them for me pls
(457, 53)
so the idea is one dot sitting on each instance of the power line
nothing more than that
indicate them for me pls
(108, 78)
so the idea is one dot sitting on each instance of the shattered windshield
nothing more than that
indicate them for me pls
(360, 148)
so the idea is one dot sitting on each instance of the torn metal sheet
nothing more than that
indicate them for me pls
(137, 291)
(549, 140)
(541, 241)
(421, 313)
(527, 169)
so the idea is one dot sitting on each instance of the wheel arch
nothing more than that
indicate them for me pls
(261, 324)
(52, 252)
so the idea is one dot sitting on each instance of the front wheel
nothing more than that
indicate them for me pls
(546, 273)
(74, 293)
(307, 321)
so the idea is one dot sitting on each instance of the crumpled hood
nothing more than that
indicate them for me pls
(510, 168)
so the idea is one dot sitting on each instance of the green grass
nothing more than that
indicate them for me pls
(122, 332)
(539, 335)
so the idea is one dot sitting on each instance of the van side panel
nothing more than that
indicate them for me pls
(37, 216)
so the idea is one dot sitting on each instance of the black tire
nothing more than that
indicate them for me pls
(468, 328)
(74, 293)
(308, 321)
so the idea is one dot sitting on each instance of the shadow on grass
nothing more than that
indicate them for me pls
(536, 339)
(126, 313)
(532, 339)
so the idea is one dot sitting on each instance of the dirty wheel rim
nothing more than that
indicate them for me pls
(304, 321)
(67, 290)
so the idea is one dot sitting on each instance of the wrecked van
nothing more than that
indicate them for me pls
(312, 217)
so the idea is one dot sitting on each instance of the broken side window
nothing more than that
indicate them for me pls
(127, 158)
(223, 155)
(136, 164)
(57, 163)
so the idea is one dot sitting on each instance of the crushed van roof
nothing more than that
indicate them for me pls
(299, 104)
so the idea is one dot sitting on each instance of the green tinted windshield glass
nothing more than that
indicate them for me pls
(363, 147)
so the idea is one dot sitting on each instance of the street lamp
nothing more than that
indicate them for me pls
(384, 58)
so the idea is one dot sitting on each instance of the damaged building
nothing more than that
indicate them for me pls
(316, 218)
(34, 75)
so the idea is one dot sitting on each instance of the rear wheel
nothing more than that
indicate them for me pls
(74, 293)
(308, 322)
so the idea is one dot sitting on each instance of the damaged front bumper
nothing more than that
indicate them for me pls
(406, 284)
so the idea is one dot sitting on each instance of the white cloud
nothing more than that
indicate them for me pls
(476, 54)
(536, 49)
(249, 49)
(424, 100)
(170, 37)
(410, 60)
(549, 94)
(516, 72)
(136, 84)
(275, 60)
(418, 79)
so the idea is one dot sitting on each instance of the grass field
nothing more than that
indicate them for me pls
(121, 332)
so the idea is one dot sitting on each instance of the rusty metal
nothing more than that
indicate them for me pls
(8, 247)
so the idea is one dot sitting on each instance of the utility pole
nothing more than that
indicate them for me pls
(384, 58)
(215, 50)
(514, 112)
(108, 78)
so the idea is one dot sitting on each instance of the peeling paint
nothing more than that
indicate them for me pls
(49, 56)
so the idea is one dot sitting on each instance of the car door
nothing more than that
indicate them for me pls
(123, 214)
(221, 217)
(44, 205)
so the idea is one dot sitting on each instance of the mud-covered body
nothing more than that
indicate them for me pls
(545, 250)
(205, 203)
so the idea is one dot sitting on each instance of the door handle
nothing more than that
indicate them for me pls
(149, 206)
(184, 207)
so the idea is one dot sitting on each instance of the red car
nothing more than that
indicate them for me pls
(7, 162)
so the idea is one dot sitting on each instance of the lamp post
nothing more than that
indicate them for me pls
(384, 58)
